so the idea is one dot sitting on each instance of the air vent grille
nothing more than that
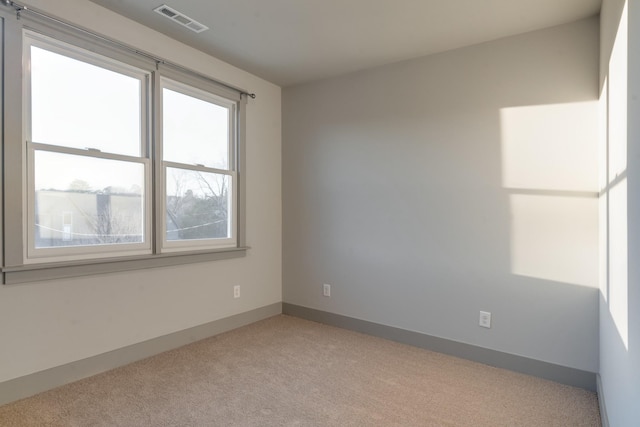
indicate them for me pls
(181, 18)
(167, 12)
(196, 27)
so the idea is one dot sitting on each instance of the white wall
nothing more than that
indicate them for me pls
(46, 324)
(620, 208)
(428, 190)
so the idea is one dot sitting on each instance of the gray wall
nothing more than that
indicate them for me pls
(620, 210)
(431, 189)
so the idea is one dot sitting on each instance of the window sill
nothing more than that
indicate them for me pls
(63, 270)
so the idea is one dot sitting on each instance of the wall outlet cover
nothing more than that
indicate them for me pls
(485, 319)
(326, 290)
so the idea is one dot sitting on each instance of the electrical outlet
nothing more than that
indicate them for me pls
(326, 290)
(485, 319)
(236, 291)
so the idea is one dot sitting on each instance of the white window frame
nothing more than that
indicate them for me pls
(69, 253)
(18, 264)
(168, 246)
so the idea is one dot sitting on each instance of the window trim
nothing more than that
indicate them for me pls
(13, 269)
(63, 270)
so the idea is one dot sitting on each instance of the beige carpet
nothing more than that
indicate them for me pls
(285, 371)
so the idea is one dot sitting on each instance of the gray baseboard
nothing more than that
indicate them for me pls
(562, 374)
(603, 408)
(29, 385)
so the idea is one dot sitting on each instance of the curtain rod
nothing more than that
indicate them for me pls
(19, 8)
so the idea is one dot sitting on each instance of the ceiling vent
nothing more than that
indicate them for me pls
(180, 18)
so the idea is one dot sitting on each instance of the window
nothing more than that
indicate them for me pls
(197, 151)
(84, 120)
(116, 159)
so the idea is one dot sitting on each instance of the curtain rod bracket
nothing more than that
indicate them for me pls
(18, 8)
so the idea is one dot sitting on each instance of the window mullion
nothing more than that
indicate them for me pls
(157, 174)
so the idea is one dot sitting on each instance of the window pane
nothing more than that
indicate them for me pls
(79, 105)
(194, 131)
(198, 205)
(80, 201)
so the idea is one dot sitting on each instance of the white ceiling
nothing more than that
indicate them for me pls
(294, 41)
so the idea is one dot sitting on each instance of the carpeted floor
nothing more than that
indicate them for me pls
(285, 371)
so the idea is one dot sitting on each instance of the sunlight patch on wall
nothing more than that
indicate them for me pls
(550, 147)
(603, 245)
(549, 170)
(618, 260)
(554, 238)
(614, 191)
(603, 181)
(617, 104)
